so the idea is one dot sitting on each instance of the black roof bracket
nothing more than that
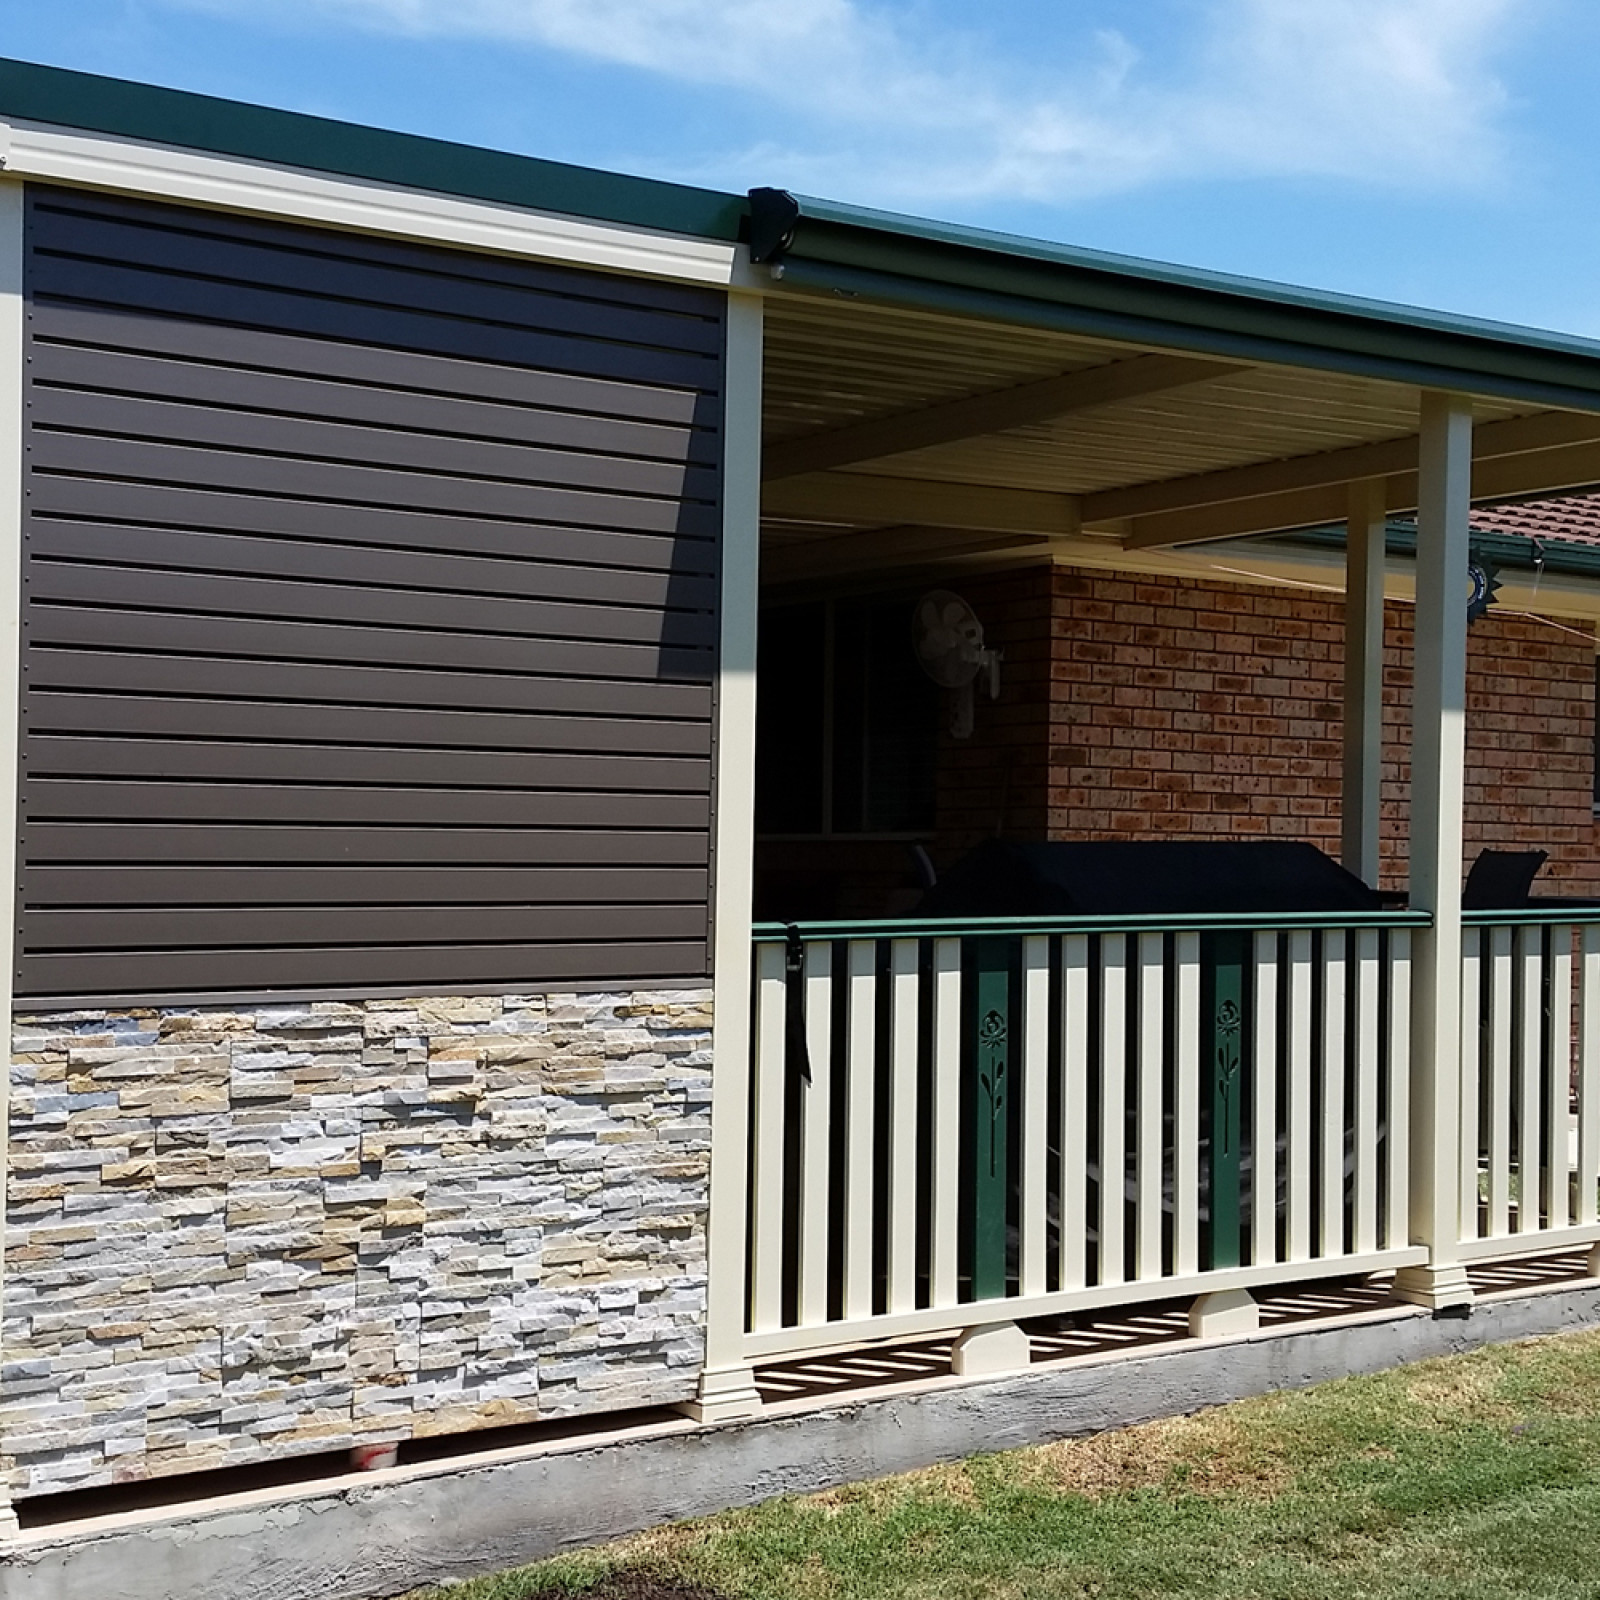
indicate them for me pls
(773, 215)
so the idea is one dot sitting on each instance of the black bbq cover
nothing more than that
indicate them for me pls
(1130, 877)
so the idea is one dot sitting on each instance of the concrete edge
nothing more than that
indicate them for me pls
(378, 1534)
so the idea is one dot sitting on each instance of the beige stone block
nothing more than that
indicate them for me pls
(565, 1254)
(499, 1413)
(453, 1095)
(209, 1023)
(32, 1193)
(450, 1011)
(46, 1236)
(129, 1172)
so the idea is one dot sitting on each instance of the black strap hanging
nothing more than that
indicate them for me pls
(794, 1000)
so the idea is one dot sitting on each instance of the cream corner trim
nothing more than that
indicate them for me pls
(99, 161)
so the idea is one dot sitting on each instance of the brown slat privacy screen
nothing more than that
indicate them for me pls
(369, 617)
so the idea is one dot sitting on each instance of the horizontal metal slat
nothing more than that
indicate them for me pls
(403, 648)
(58, 887)
(288, 261)
(139, 289)
(351, 442)
(142, 805)
(56, 324)
(52, 932)
(55, 499)
(52, 206)
(75, 370)
(242, 596)
(110, 760)
(473, 694)
(53, 713)
(359, 566)
(79, 843)
(483, 966)
(240, 472)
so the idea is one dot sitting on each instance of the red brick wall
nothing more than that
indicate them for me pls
(1193, 709)
(1181, 708)
(1530, 745)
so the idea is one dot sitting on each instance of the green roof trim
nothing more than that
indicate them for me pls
(33, 93)
(1509, 552)
(849, 251)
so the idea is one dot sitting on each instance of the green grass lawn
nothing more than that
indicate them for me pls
(1475, 1476)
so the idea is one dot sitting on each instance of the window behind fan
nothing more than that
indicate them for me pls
(847, 724)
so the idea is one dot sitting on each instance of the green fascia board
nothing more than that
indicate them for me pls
(849, 251)
(115, 106)
(1507, 551)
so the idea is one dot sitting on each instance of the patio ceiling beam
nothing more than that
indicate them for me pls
(868, 500)
(1543, 434)
(1494, 477)
(992, 412)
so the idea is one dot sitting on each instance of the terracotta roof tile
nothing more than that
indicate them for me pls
(1570, 519)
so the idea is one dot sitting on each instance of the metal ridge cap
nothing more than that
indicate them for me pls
(913, 232)
(150, 113)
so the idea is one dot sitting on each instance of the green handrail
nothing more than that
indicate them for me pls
(1164, 922)
(1534, 915)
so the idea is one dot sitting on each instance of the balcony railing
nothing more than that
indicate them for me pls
(1530, 1081)
(960, 1123)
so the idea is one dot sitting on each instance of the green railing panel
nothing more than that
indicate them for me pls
(992, 1116)
(1224, 1050)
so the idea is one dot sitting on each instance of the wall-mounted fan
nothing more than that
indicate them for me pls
(948, 639)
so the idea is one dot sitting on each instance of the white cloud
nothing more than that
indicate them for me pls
(1392, 92)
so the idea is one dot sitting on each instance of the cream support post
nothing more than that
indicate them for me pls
(727, 1384)
(1438, 747)
(12, 326)
(1363, 680)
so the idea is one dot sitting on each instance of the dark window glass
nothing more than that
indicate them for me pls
(886, 723)
(791, 674)
(847, 724)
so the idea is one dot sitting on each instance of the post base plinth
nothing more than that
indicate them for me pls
(993, 1348)
(1442, 1288)
(1220, 1315)
(727, 1394)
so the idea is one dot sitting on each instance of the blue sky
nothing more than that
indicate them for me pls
(1442, 152)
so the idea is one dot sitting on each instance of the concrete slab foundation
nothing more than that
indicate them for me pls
(379, 1533)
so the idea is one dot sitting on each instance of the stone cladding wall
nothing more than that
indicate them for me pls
(235, 1234)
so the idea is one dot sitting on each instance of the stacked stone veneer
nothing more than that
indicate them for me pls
(243, 1233)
